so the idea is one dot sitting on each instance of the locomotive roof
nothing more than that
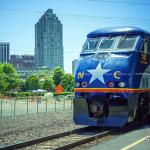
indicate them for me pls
(116, 31)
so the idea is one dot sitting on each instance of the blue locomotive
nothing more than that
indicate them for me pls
(112, 79)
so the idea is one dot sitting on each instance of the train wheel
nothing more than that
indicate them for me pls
(142, 109)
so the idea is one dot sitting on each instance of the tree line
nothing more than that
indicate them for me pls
(10, 80)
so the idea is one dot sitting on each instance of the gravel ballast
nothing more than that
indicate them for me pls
(23, 128)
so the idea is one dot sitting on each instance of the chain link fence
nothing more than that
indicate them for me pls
(30, 105)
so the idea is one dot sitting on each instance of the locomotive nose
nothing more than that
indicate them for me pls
(101, 72)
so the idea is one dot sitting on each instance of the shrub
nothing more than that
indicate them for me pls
(63, 93)
(24, 94)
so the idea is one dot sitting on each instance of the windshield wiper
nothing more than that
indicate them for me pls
(106, 40)
(124, 38)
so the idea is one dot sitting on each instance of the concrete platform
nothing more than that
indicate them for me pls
(134, 140)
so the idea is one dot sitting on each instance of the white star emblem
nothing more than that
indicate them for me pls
(98, 73)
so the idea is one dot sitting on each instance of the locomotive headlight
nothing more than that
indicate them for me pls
(121, 84)
(76, 84)
(102, 56)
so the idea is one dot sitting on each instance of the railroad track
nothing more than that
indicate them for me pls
(65, 140)
(73, 138)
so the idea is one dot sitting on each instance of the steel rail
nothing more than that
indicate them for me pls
(42, 139)
(84, 141)
(127, 128)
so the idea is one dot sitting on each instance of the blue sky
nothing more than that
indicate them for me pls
(77, 16)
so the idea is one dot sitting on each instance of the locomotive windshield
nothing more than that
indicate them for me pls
(107, 43)
(126, 43)
(90, 44)
(110, 43)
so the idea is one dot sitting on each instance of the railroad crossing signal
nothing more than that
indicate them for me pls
(59, 89)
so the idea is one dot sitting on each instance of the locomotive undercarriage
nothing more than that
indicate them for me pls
(143, 106)
(109, 110)
(99, 111)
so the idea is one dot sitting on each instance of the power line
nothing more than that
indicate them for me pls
(122, 2)
(65, 52)
(32, 36)
(76, 15)
(104, 20)
(20, 35)
(104, 17)
(20, 10)
(122, 21)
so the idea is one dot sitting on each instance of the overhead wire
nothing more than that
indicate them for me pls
(29, 51)
(77, 15)
(122, 2)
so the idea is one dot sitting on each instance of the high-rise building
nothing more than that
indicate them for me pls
(48, 41)
(4, 52)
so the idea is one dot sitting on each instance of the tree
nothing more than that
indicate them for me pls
(68, 82)
(9, 78)
(43, 73)
(32, 83)
(23, 85)
(48, 84)
(8, 69)
(3, 84)
(58, 75)
(1, 70)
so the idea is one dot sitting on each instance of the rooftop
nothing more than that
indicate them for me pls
(116, 31)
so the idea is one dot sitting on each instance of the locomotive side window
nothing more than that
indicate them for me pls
(149, 46)
(145, 48)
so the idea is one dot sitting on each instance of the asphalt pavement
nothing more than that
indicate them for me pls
(138, 139)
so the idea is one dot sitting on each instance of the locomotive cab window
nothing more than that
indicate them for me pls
(107, 43)
(147, 46)
(126, 42)
(90, 44)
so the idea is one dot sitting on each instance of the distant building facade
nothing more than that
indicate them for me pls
(48, 41)
(4, 52)
(23, 62)
(74, 66)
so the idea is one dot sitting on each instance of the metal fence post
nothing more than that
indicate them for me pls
(37, 106)
(14, 107)
(1, 108)
(71, 103)
(55, 104)
(27, 107)
(64, 102)
(46, 105)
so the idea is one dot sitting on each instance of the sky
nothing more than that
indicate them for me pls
(79, 17)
